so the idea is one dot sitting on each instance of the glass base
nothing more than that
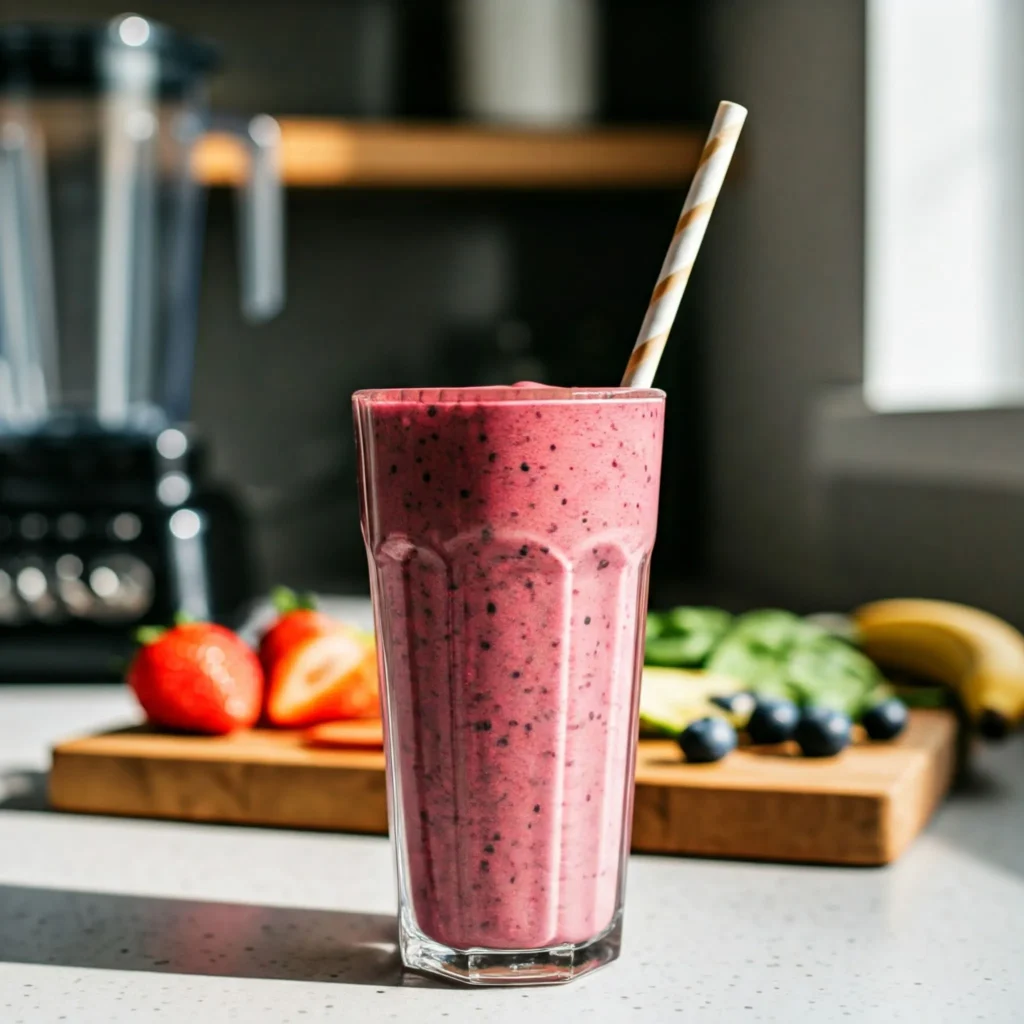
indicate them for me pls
(549, 965)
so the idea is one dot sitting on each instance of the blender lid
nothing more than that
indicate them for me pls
(48, 56)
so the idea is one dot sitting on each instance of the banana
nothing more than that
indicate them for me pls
(978, 655)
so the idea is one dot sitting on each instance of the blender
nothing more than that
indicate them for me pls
(108, 519)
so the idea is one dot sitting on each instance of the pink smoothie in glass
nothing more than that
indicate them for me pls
(509, 535)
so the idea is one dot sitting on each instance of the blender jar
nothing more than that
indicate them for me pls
(101, 223)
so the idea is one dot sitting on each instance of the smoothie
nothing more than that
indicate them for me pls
(509, 532)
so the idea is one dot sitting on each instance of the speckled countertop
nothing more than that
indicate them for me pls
(105, 920)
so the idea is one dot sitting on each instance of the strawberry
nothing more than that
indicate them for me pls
(365, 734)
(317, 669)
(297, 620)
(324, 677)
(198, 677)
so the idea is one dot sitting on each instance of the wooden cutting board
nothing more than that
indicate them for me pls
(863, 807)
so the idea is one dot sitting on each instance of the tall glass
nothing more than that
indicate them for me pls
(509, 532)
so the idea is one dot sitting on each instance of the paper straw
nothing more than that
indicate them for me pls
(686, 239)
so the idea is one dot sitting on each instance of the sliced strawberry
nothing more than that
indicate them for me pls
(327, 676)
(289, 631)
(198, 677)
(297, 620)
(361, 734)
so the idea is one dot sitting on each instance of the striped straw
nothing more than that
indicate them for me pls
(686, 239)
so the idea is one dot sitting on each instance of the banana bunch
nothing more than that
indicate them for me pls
(976, 654)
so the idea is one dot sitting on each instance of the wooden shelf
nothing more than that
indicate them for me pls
(340, 154)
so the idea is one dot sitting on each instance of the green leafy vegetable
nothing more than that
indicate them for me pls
(684, 637)
(770, 652)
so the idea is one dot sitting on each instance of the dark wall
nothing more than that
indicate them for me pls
(784, 288)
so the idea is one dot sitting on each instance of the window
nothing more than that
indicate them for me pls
(945, 204)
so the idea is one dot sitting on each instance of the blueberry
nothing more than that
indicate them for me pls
(707, 739)
(885, 721)
(823, 732)
(774, 721)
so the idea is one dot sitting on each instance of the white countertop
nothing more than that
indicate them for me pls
(105, 920)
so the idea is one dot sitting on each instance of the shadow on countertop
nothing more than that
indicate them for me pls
(983, 815)
(171, 936)
(23, 791)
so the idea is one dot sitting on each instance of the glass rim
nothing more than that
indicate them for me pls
(504, 395)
